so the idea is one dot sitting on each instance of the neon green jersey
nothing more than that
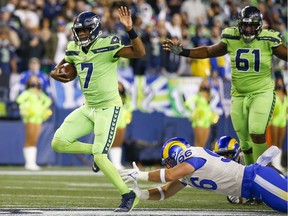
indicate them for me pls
(251, 62)
(97, 71)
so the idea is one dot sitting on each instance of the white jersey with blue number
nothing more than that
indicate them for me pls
(218, 173)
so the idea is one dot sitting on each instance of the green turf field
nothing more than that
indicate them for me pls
(57, 187)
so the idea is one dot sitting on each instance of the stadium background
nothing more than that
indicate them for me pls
(157, 96)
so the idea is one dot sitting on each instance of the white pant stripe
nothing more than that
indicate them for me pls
(271, 188)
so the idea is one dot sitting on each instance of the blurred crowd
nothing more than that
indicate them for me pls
(40, 29)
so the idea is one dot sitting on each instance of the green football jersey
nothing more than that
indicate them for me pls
(251, 62)
(97, 71)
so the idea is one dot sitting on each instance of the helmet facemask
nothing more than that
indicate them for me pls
(172, 150)
(250, 23)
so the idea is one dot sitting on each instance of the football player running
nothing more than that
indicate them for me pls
(96, 61)
(203, 169)
(251, 49)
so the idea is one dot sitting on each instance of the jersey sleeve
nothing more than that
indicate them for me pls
(117, 45)
(275, 38)
(229, 33)
(70, 49)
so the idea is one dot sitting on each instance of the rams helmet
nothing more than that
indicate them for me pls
(86, 20)
(227, 145)
(171, 151)
(250, 22)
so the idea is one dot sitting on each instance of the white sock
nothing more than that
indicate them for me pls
(115, 155)
(30, 154)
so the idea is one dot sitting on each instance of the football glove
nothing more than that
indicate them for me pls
(134, 174)
(176, 49)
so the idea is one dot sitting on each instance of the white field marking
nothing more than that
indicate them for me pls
(52, 173)
(271, 188)
(50, 183)
(54, 196)
(136, 212)
(59, 189)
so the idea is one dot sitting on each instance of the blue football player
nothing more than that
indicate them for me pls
(201, 168)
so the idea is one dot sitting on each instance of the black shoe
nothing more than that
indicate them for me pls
(128, 202)
(95, 168)
(253, 201)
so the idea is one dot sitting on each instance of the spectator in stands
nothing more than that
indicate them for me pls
(34, 69)
(28, 17)
(199, 14)
(249, 56)
(7, 18)
(201, 114)
(115, 153)
(8, 62)
(279, 120)
(32, 45)
(51, 9)
(175, 26)
(34, 108)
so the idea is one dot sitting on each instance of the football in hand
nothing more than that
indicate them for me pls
(69, 71)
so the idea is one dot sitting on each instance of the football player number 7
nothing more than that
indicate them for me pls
(89, 67)
(242, 64)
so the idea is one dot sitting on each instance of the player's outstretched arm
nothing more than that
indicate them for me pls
(158, 193)
(160, 175)
(281, 52)
(202, 52)
(137, 49)
(56, 73)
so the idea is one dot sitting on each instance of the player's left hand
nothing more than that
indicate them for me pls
(171, 46)
(125, 17)
(129, 175)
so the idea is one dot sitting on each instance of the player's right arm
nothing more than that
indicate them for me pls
(160, 175)
(215, 50)
(56, 72)
(168, 190)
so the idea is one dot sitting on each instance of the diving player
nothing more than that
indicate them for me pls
(96, 61)
(251, 49)
(203, 169)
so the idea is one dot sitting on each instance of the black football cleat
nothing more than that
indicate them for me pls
(95, 168)
(128, 202)
(253, 201)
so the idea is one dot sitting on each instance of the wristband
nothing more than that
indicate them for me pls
(144, 195)
(162, 175)
(162, 195)
(142, 176)
(132, 34)
(185, 52)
